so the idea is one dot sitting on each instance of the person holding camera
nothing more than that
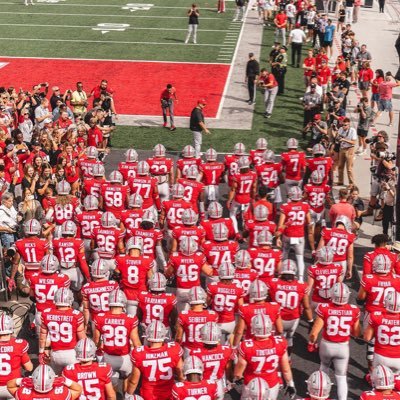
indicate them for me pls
(364, 111)
(388, 195)
(42, 113)
(79, 100)
(318, 130)
(269, 84)
(312, 103)
(167, 99)
(347, 138)
(193, 15)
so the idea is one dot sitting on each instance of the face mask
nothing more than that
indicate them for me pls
(30, 197)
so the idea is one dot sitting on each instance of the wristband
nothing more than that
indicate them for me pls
(18, 381)
(290, 383)
(311, 321)
(68, 382)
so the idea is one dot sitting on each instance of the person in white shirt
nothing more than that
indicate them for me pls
(26, 126)
(296, 38)
(291, 14)
(347, 139)
(42, 113)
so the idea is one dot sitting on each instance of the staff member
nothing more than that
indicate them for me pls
(268, 82)
(296, 38)
(347, 138)
(167, 98)
(197, 125)
(252, 72)
(193, 15)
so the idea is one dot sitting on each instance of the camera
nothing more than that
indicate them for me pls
(373, 140)
(387, 155)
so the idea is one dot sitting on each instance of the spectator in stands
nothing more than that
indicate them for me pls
(79, 100)
(8, 220)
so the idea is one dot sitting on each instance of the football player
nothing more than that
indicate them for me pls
(293, 164)
(256, 156)
(114, 194)
(318, 386)
(183, 164)
(320, 163)
(214, 215)
(132, 217)
(260, 222)
(211, 173)
(128, 167)
(256, 389)
(92, 186)
(231, 162)
(244, 273)
(383, 382)
(87, 163)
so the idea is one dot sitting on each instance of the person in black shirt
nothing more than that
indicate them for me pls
(344, 86)
(252, 73)
(198, 126)
(193, 14)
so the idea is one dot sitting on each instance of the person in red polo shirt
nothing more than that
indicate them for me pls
(268, 82)
(309, 67)
(324, 76)
(103, 87)
(280, 22)
(167, 98)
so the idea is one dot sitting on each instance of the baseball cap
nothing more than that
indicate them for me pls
(317, 116)
(202, 101)
(313, 85)
(48, 121)
(35, 143)
(297, 25)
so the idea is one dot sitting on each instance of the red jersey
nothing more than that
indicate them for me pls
(263, 358)
(289, 295)
(338, 321)
(254, 228)
(87, 221)
(244, 277)
(218, 252)
(214, 360)
(244, 186)
(187, 269)
(145, 186)
(377, 287)
(32, 250)
(268, 174)
(134, 272)
(45, 286)
(192, 322)
(13, 355)
(157, 367)
(106, 240)
(339, 240)
(205, 389)
(262, 202)
(248, 311)
(212, 172)
(173, 211)
(316, 196)
(64, 212)
(257, 157)
(57, 393)
(209, 223)
(94, 137)
(309, 62)
(225, 299)
(265, 262)
(160, 167)
(92, 186)
(387, 333)
(115, 197)
(150, 238)
(293, 163)
(128, 169)
(370, 256)
(295, 221)
(93, 378)
(115, 330)
(156, 306)
(86, 166)
(196, 232)
(318, 59)
(131, 218)
(376, 395)
(193, 191)
(325, 276)
(67, 251)
(96, 293)
(324, 75)
(183, 164)
(62, 326)
(232, 166)
(322, 164)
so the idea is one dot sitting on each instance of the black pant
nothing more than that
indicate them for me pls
(381, 6)
(251, 86)
(296, 54)
(388, 212)
(279, 75)
(309, 115)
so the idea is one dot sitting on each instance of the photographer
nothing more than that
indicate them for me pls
(388, 196)
(364, 121)
(347, 137)
(335, 109)
(318, 130)
(193, 15)
(312, 103)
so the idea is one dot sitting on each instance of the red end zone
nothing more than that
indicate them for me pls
(137, 85)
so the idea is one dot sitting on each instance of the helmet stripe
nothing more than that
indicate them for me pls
(320, 392)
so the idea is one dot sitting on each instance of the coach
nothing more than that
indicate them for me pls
(197, 125)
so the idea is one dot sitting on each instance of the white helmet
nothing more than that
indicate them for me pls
(158, 282)
(32, 227)
(143, 168)
(215, 210)
(325, 255)
(63, 297)
(288, 267)
(226, 270)
(188, 245)
(210, 333)
(63, 188)
(188, 151)
(134, 242)
(178, 191)
(193, 365)
(256, 389)
(98, 269)
(148, 216)
(342, 219)
(43, 378)
(239, 149)
(318, 149)
(49, 264)
(211, 155)
(85, 350)
(117, 298)
(269, 156)
(91, 203)
(68, 228)
(220, 232)
(6, 324)
(91, 152)
(261, 326)
(295, 193)
(192, 172)
(340, 293)
(382, 378)
(382, 264)
(156, 332)
(116, 177)
(264, 237)
(292, 143)
(319, 385)
(197, 295)
(244, 162)
(261, 144)
(258, 291)
(131, 156)
(189, 217)
(159, 150)
(317, 177)
(135, 201)
(242, 259)
(108, 220)
(98, 170)
(392, 302)
(261, 213)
